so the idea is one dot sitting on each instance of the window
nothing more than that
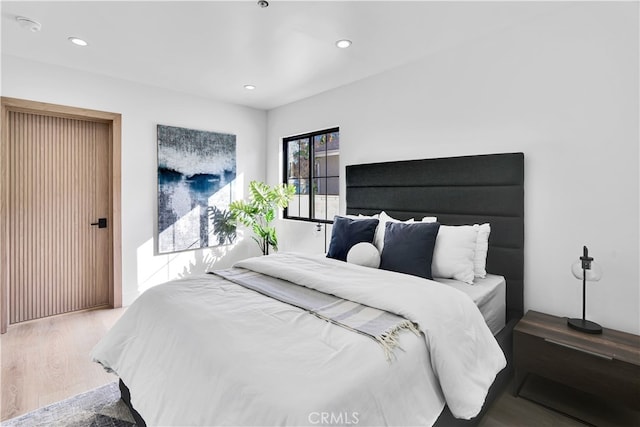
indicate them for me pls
(312, 165)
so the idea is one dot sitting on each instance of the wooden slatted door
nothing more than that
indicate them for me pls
(59, 185)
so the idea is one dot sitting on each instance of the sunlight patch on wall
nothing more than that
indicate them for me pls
(154, 269)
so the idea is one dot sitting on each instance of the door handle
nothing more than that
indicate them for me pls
(102, 223)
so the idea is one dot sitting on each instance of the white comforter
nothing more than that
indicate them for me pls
(204, 351)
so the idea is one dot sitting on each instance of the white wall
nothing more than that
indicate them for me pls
(563, 89)
(142, 108)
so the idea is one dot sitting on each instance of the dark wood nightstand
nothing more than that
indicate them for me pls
(605, 365)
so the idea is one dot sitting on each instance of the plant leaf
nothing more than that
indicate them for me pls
(261, 209)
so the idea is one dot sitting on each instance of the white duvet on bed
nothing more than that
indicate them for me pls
(205, 351)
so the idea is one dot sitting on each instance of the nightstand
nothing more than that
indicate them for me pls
(605, 365)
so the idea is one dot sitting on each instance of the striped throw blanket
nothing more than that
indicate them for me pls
(379, 325)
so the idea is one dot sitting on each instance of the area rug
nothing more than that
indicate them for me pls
(101, 407)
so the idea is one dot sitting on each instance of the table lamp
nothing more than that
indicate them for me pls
(587, 270)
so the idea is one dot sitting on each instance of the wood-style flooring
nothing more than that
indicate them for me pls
(47, 360)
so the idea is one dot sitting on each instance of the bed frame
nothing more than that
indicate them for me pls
(458, 190)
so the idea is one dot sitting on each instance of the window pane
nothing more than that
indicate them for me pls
(333, 143)
(332, 186)
(319, 198)
(319, 210)
(320, 165)
(319, 186)
(320, 154)
(294, 207)
(333, 164)
(299, 206)
(302, 197)
(304, 206)
(303, 156)
(292, 158)
(298, 159)
(326, 198)
(302, 186)
(320, 144)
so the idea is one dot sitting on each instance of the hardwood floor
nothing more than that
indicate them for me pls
(47, 360)
(510, 411)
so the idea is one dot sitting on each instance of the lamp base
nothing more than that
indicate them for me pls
(584, 326)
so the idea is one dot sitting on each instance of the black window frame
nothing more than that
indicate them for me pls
(285, 170)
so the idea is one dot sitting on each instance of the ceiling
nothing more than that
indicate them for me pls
(214, 48)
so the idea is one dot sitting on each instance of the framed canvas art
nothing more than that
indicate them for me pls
(196, 170)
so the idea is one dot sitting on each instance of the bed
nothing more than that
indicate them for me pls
(301, 369)
(458, 190)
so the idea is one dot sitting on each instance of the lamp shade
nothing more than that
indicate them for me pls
(592, 274)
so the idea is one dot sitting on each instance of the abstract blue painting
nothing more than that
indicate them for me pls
(196, 170)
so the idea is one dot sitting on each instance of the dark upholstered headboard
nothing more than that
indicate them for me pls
(458, 190)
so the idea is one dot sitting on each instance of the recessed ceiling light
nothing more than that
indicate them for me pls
(29, 24)
(249, 87)
(343, 44)
(77, 41)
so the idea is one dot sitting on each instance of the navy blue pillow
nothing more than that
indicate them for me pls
(408, 248)
(347, 232)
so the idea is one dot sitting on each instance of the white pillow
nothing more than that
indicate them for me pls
(383, 218)
(430, 219)
(360, 216)
(454, 253)
(482, 246)
(364, 254)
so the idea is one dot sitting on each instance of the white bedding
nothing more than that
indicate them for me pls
(204, 351)
(489, 294)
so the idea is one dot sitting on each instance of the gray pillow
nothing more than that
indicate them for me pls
(408, 248)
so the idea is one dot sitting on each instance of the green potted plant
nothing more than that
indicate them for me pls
(260, 211)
